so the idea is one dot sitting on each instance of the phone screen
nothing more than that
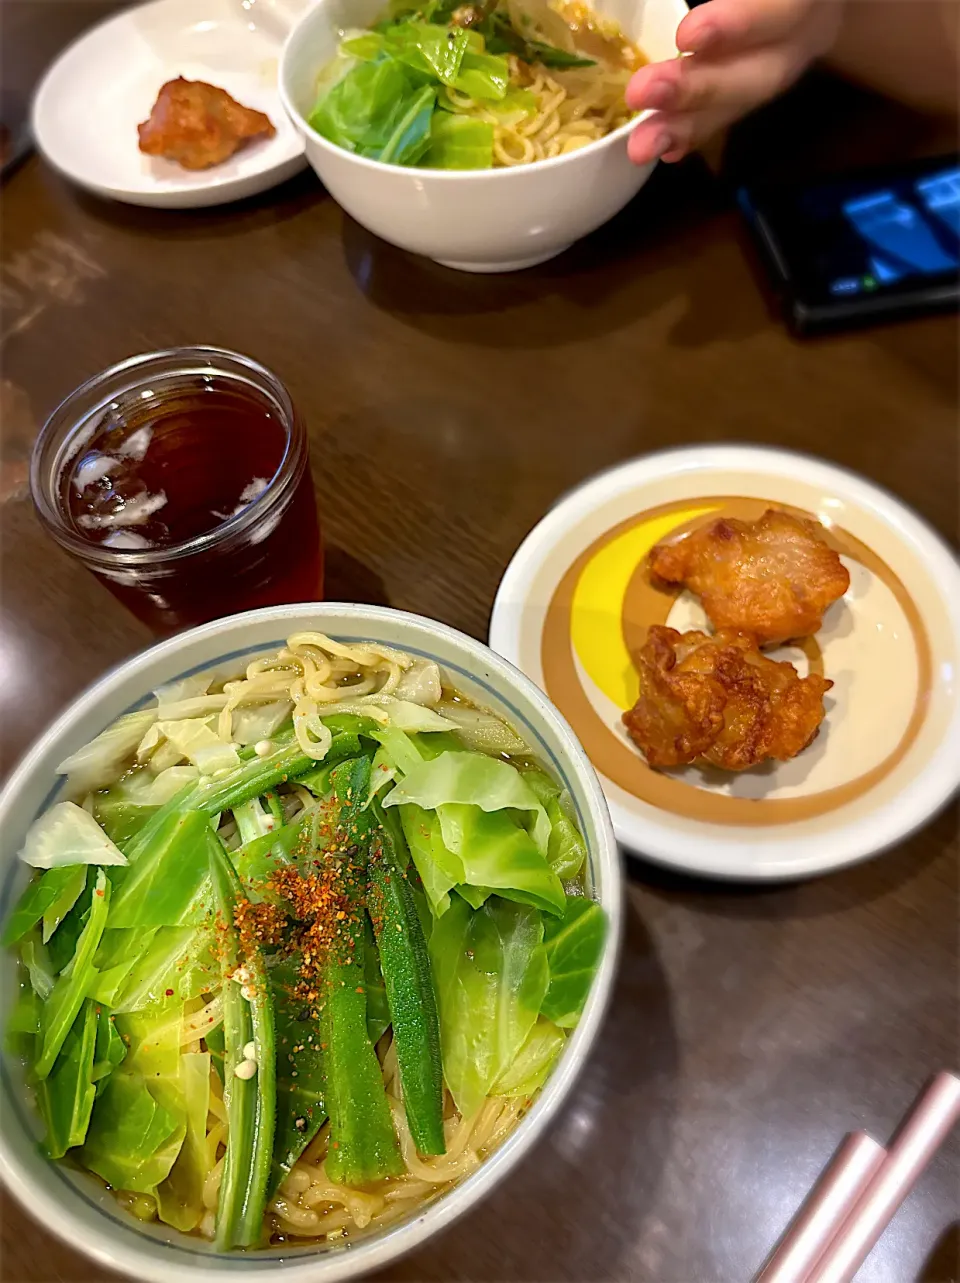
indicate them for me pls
(864, 243)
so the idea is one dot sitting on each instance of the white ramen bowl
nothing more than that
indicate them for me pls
(74, 1204)
(492, 220)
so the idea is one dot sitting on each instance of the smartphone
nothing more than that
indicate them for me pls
(865, 247)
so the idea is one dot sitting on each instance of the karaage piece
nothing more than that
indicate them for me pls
(718, 700)
(199, 125)
(773, 578)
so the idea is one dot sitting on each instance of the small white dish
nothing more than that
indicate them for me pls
(88, 106)
(485, 220)
(576, 602)
(73, 1203)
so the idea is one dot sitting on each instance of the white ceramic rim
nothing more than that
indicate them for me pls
(445, 175)
(795, 858)
(219, 189)
(107, 1248)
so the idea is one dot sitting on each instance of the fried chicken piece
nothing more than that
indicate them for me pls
(773, 578)
(717, 699)
(199, 125)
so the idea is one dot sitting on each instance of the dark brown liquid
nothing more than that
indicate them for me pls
(170, 469)
(161, 470)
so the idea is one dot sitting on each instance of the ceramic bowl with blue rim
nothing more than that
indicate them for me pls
(73, 1203)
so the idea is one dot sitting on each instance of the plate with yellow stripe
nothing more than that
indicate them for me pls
(576, 603)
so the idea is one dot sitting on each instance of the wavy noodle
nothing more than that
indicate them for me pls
(320, 676)
(310, 1205)
(574, 108)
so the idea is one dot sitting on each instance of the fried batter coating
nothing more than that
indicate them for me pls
(717, 699)
(199, 125)
(773, 578)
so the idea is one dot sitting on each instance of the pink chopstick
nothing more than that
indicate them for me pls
(860, 1190)
(836, 1192)
(923, 1131)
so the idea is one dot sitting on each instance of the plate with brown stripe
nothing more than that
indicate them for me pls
(582, 610)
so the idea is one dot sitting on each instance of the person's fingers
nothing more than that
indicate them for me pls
(649, 141)
(694, 84)
(704, 99)
(742, 24)
(670, 138)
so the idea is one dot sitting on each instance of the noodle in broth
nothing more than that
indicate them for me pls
(312, 695)
(565, 73)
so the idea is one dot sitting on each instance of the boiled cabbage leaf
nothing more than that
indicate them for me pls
(100, 762)
(490, 971)
(67, 834)
(574, 947)
(533, 1062)
(473, 779)
(459, 142)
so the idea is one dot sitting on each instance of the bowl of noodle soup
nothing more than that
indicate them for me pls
(72, 1202)
(557, 174)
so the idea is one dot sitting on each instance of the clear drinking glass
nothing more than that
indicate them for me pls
(181, 479)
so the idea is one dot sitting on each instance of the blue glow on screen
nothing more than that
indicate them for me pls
(884, 270)
(901, 233)
(940, 196)
(846, 285)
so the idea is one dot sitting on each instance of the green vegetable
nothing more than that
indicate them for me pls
(501, 37)
(411, 136)
(490, 971)
(363, 1144)
(23, 1023)
(103, 759)
(300, 1111)
(459, 142)
(566, 850)
(40, 897)
(109, 1052)
(39, 967)
(216, 1045)
(473, 821)
(496, 854)
(439, 870)
(413, 1005)
(73, 984)
(166, 884)
(574, 947)
(71, 889)
(473, 780)
(65, 1097)
(251, 779)
(378, 1009)
(368, 111)
(132, 1142)
(62, 945)
(180, 1195)
(67, 834)
(121, 820)
(484, 76)
(250, 1103)
(533, 1061)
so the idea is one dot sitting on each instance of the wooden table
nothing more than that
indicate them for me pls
(750, 1028)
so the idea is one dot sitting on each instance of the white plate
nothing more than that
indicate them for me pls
(88, 106)
(576, 601)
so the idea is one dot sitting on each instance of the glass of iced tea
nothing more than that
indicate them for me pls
(181, 479)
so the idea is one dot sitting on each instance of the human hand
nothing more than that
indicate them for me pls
(744, 53)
